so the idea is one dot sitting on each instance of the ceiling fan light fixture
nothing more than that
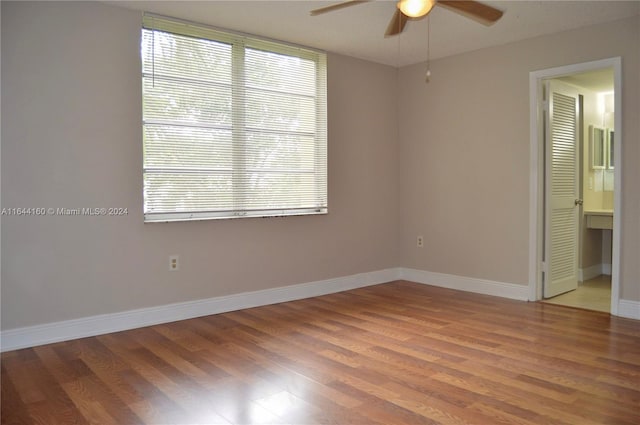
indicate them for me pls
(415, 8)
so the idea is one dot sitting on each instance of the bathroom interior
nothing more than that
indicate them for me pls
(596, 165)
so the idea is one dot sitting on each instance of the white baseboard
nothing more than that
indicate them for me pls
(589, 272)
(469, 284)
(594, 271)
(32, 336)
(629, 309)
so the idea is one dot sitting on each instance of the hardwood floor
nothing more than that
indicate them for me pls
(397, 353)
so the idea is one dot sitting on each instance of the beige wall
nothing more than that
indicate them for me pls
(458, 175)
(71, 137)
(464, 153)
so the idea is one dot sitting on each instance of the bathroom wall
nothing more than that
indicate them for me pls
(590, 241)
(593, 180)
(597, 186)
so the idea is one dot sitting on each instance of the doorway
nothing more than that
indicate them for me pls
(592, 294)
(553, 273)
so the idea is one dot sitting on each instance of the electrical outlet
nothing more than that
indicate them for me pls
(420, 242)
(174, 263)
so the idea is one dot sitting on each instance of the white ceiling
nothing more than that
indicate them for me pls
(597, 81)
(358, 31)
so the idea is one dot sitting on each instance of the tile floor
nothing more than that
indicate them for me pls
(594, 294)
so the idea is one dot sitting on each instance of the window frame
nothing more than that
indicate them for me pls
(240, 43)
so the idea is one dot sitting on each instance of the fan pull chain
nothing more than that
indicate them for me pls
(427, 76)
(398, 36)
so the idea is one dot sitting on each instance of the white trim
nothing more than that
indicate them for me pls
(535, 179)
(468, 284)
(629, 309)
(31, 336)
(594, 271)
(535, 183)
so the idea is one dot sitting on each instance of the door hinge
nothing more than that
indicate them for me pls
(543, 267)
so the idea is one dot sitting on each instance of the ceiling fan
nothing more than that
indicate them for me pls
(417, 9)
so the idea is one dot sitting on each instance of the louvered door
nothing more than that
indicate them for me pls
(562, 197)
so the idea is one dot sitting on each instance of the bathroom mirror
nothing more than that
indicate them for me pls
(610, 157)
(598, 152)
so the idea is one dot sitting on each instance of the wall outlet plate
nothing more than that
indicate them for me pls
(174, 263)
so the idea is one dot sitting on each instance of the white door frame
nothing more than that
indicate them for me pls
(536, 172)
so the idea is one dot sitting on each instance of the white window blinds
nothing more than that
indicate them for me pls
(233, 126)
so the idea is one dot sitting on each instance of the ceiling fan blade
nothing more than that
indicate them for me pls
(396, 26)
(477, 11)
(337, 6)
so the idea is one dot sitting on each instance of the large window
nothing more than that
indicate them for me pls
(233, 126)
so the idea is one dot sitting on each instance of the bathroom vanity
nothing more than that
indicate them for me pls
(599, 219)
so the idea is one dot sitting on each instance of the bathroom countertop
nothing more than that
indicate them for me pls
(599, 212)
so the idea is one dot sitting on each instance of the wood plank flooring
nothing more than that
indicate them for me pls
(397, 353)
